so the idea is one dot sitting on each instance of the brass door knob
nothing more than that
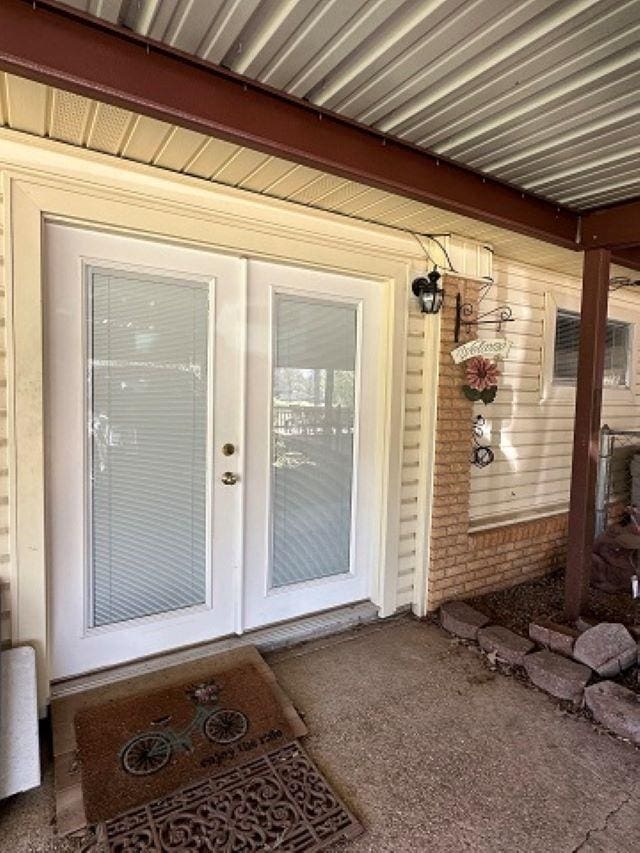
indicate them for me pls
(229, 478)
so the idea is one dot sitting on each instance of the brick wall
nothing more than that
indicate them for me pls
(464, 564)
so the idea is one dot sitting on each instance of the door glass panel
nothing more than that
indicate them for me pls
(313, 418)
(147, 395)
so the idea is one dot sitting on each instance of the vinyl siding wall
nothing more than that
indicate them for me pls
(419, 399)
(5, 565)
(465, 563)
(417, 396)
(531, 432)
(531, 421)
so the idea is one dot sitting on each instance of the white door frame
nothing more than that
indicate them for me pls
(87, 188)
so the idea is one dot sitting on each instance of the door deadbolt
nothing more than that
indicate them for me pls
(229, 478)
(228, 449)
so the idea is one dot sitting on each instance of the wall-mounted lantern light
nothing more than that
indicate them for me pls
(429, 292)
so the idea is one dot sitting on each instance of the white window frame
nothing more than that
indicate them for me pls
(554, 391)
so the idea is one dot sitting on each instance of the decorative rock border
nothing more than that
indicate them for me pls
(462, 620)
(556, 638)
(615, 707)
(608, 648)
(505, 644)
(558, 675)
(565, 665)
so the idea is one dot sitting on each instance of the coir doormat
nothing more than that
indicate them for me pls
(278, 802)
(135, 750)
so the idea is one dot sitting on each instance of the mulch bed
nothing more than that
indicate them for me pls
(543, 599)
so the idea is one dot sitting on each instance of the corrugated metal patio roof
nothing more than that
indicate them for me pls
(46, 112)
(539, 93)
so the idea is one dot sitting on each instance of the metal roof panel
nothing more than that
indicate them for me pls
(519, 90)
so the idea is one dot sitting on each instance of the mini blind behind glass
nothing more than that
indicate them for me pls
(567, 340)
(313, 420)
(148, 417)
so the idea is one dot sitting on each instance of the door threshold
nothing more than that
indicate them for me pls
(267, 639)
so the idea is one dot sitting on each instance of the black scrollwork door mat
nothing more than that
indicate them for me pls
(278, 802)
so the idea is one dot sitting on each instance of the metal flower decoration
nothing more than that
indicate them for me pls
(482, 380)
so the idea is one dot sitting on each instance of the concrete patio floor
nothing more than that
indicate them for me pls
(433, 752)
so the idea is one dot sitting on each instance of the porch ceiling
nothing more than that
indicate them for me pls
(47, 112)
(540, 93)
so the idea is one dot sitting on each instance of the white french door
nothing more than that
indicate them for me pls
(144, 543)
(212, 439)
(313, 436)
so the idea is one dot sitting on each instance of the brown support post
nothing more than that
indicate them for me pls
(593, 331)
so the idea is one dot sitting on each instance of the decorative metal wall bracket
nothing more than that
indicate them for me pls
(471, 316)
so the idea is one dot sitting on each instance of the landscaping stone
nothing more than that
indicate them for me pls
(505, 644)
(553, 673)
(462, 620)
(583, 625)
(608, 648)
(557, 638)
(616, 707)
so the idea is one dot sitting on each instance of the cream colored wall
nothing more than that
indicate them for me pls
(5, 563)
(417, 450)
(531, 422)
(86, 187)
(44, 180)
(416, 396)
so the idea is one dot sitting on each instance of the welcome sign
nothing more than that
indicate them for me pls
(495, 348)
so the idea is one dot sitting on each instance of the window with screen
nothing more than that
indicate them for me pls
(567, 341)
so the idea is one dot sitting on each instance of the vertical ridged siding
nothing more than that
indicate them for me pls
(416, 397)
(5, 564)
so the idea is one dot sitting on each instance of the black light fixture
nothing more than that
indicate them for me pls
(429, 292)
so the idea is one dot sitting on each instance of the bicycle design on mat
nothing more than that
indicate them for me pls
(150, 751)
